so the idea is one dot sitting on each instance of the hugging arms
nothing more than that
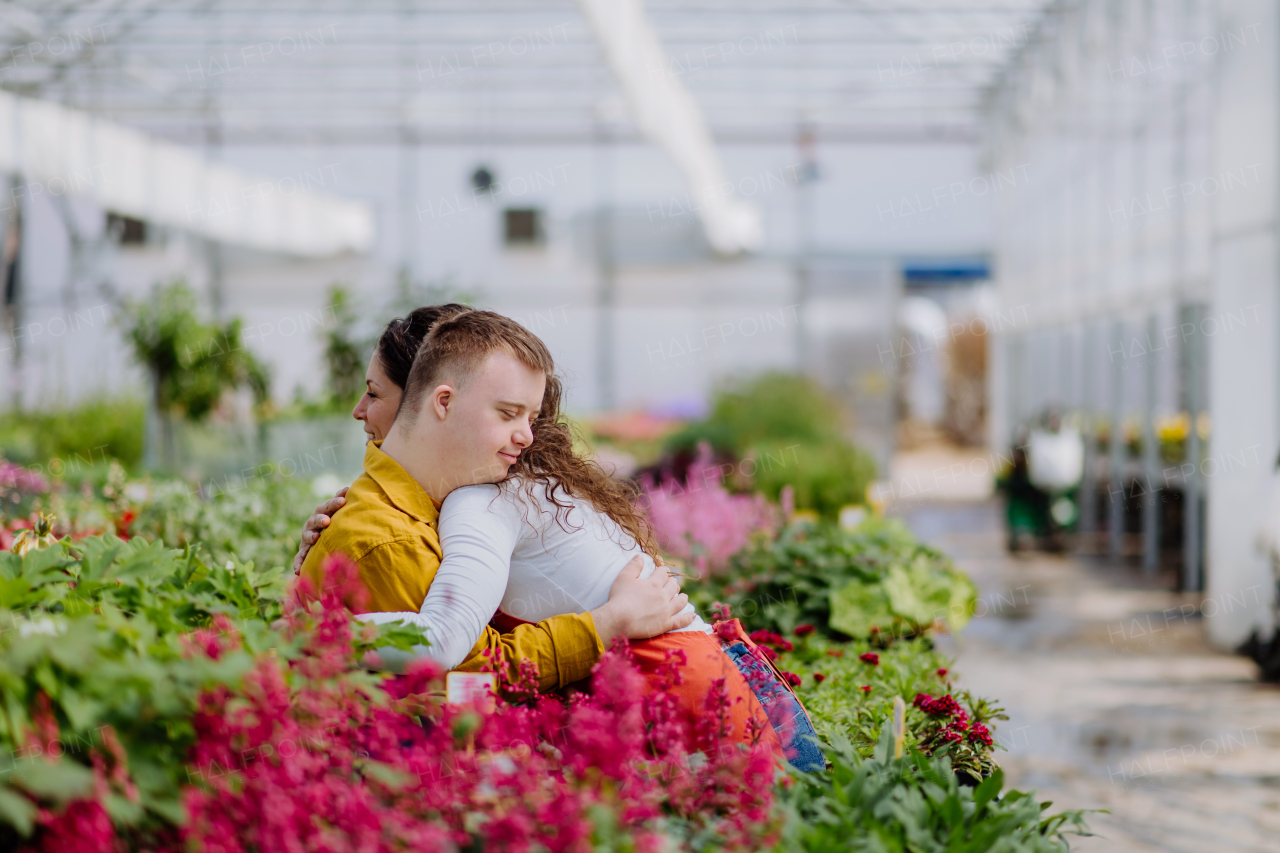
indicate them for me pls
(467, 416)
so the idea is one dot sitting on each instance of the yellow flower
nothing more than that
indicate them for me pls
(1173, 429)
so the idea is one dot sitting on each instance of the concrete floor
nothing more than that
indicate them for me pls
(1115, 700)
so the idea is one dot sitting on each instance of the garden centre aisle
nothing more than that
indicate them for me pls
(1115, 700)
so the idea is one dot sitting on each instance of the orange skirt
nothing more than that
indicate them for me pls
(705, 664)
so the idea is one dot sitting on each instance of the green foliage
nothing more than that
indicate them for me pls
(100, 627)
(173, 590)
(823, 477)
(771, 408)
(794, 431)
(345, 354)
(347, 348)
(256, 521)
(845, 583)
(97, 629)
(79, 436)
(192, 362)
(915, 804)
(854, 699)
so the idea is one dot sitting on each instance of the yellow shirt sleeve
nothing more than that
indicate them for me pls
(564, 648)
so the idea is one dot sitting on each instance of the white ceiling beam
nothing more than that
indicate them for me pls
(59, 151)
(667, 114)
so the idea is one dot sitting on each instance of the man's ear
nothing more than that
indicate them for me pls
(441, 400)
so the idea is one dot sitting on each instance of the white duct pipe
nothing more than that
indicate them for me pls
(667, 114)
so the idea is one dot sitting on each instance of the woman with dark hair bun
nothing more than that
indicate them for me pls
(402, 337)
(384, 382)
(389, 366)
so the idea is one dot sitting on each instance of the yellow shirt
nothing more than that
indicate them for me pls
(388, 526)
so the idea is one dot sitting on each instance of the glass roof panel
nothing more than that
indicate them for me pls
(508, 70)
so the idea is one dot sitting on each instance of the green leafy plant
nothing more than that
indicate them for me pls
(792, 433)
(823, 477)
(877, 581)
(915, 803)
(78, 437)
(95, 666)
(849, 689)
(254, 521)
(96, 662)
(191, 362)
(345, 354)
(772, 407)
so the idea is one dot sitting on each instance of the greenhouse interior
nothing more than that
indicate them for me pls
(915, 340)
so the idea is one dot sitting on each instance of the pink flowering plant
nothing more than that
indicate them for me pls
(151, 706)
(389, 768)
(702, 522)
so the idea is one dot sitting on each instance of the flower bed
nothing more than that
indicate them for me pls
(849, 689)
(150, 700)
(131, 726)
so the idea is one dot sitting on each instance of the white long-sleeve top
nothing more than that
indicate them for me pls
(505, 549)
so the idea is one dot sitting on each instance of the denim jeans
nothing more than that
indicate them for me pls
(788, 718)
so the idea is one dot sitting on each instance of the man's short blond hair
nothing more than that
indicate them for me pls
(457, 347)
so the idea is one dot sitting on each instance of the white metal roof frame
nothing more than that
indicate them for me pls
(59, 151)
(523, 71)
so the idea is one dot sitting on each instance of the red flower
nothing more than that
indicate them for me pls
(866, 688)
(942, 672)
(943, 706)
(771, 639)
(804, 630)
(123, 523)
(818, 678)
(792, 678)
(870, 657)
(980, 734)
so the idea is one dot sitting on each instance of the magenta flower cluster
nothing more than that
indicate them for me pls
(955, 724)
(315, 754)
(702, 522)
(774, 642)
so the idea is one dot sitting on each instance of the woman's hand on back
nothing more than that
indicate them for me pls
(315, 526)
(639, 608)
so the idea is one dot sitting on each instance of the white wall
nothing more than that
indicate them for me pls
(1243, 358)
(870, 199)
(1150, 133)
